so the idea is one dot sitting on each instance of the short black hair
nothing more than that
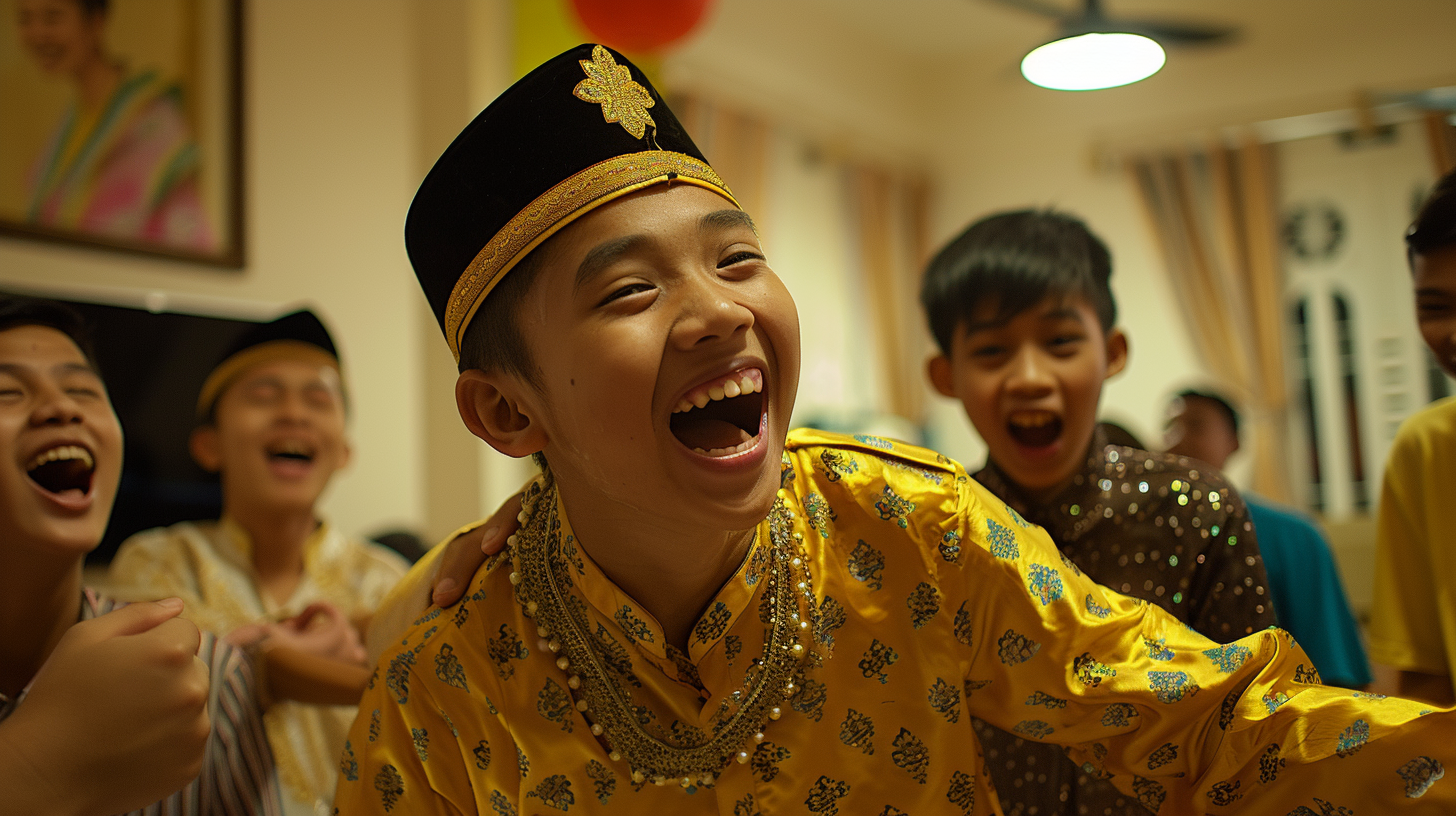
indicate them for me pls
(1017, 258)
(1224, 406)
(493, 341)
(17, 311)
(1435, 224)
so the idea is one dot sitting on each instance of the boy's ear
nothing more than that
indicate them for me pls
(206, 452)
(1116, 352)
(939, 370)
(492, 410)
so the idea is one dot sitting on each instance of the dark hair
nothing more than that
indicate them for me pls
(17, 311)
(493, 341)
(1223, 405)
(1017, 259)
(1435, 224)
(91, 8)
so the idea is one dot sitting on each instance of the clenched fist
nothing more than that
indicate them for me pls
(115, 719)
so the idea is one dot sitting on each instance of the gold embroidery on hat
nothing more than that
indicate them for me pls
(610, 85)
(569, 199)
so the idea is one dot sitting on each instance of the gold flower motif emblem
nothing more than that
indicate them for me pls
(611, 85)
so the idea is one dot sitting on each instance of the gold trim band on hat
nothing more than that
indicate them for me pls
(229, 369)
(565, 202)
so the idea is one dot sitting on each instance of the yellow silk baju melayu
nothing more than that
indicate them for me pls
(935, 602)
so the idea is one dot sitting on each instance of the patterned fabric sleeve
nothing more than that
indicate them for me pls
(241, 764)
(1176, 720)
(406, 755)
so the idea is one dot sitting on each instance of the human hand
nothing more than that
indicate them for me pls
(466, 552)
(321, 629)
(115, 719)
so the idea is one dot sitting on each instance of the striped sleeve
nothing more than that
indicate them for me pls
(238, 777)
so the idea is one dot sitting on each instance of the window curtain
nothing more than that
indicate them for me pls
(1442, 138)
(1213, 211)
(736, 144)
(892, 224)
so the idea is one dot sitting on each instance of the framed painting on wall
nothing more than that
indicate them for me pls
(120, 125)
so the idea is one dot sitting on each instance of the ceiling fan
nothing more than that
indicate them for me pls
(1094, 50)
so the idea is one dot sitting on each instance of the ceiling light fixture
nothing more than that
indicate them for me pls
(1094, 60)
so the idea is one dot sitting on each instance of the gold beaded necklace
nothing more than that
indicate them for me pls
(606, 703)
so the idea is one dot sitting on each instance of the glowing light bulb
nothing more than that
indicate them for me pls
(1088, 62)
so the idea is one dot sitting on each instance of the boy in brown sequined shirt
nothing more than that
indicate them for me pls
(1026, 323)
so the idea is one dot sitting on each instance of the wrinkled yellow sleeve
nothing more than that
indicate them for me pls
(1178, 721)
(422, 744)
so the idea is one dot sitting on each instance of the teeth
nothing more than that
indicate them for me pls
(728, 389)
(1036, 420)
(739, 448)
(59, 453)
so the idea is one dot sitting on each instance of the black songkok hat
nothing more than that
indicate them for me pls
(581, 130)
(299, 335)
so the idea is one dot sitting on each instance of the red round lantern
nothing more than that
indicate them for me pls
(640, 26)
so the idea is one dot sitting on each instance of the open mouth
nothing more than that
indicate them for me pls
(1034, 429)
(63, 469)
(291, 451)
(721, 417)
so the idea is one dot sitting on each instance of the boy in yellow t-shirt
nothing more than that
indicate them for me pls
(1413, 623)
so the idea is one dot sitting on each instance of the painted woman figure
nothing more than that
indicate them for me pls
(122, 162)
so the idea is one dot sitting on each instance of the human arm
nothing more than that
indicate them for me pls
(314, 657)
(1177, 721)
(115, 719)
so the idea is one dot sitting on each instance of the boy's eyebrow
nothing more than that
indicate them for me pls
(16, 369)
(604, 255)
(76, 368)
(1432, 291)
(728, 219)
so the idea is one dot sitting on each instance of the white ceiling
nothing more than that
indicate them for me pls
(904, 74)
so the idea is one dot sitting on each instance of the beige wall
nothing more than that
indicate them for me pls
(349, 103)
(331, 162)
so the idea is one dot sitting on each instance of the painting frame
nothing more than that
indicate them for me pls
(226, 96)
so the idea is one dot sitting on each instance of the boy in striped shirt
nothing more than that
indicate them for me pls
(104, 707)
